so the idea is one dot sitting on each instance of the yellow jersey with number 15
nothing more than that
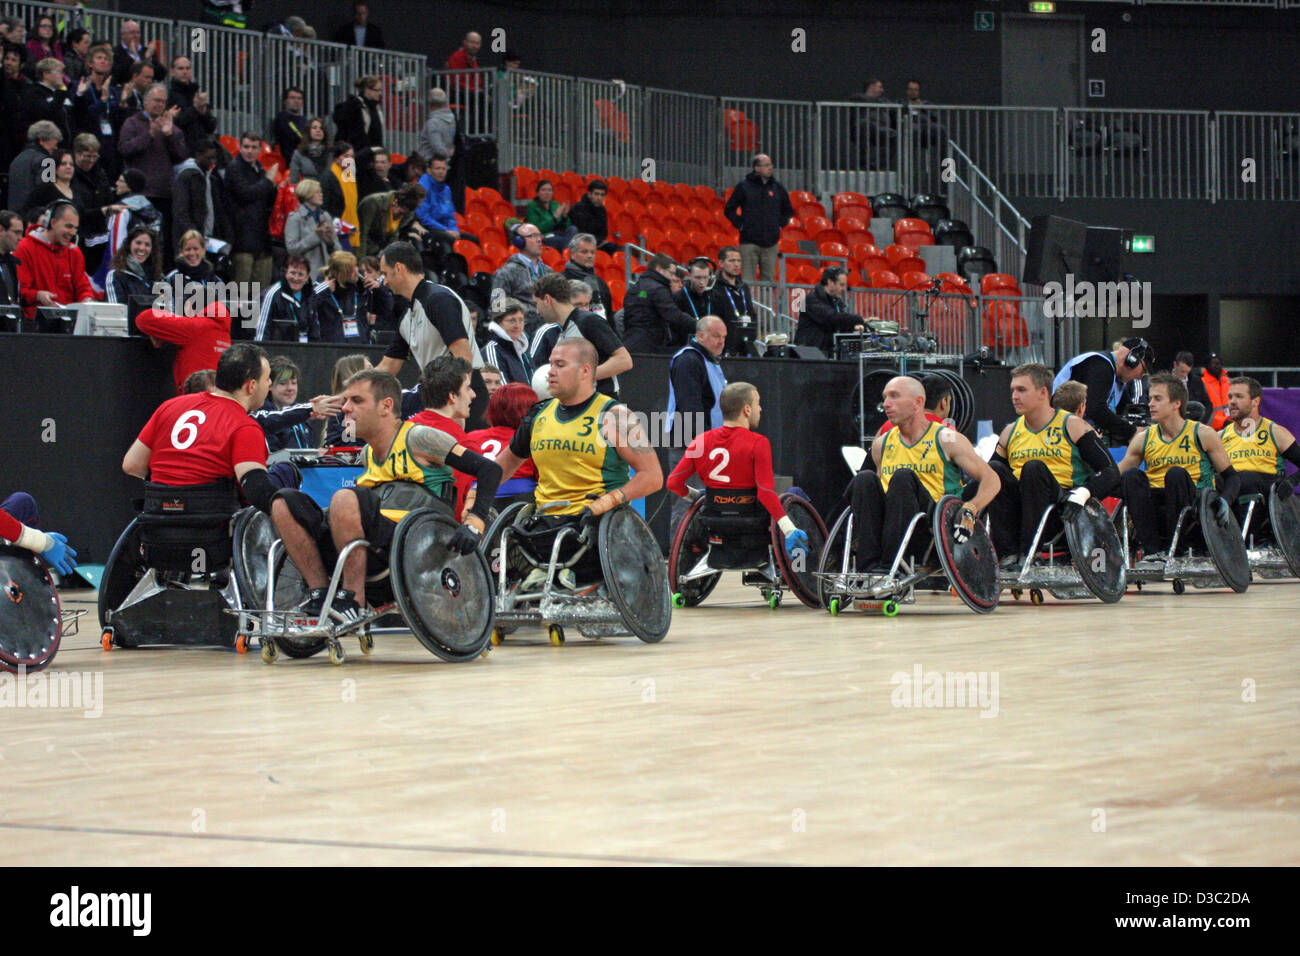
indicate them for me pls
(1254, 452)
(573, 459)
(1051, 445)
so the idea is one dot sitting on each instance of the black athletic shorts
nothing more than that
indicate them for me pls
(377, 528)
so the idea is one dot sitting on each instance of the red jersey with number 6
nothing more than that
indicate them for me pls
(196, 439)
(730, 457)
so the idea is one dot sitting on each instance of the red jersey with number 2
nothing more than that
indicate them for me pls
(730, 457)
(196, 439)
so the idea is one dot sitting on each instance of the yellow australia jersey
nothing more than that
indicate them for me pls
(1051, 445)
(572, 457)
(1254, 452)
(1184, 451)
(400, 465)
(938, 475)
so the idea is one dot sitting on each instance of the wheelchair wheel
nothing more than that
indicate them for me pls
(690, 544)
(636, 577)
(972, 568)
(492, 535)
(446, 598)
(252, 534)
(1222, 536)
(1097, 552)
(124, 569)
(831, 561)
(1284, 516)
(801, 579)
(31, 621)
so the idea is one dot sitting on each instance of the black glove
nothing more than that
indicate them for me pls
(589, 521)
(963, 526)
(1073, 501)
(465, 540)
(1285, 487)
(1219, 507)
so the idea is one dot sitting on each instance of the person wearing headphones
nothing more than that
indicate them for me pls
(51, 269)
(518, 274)
(1106, 374)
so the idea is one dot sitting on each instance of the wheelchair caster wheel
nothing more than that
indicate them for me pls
(1139, 584)
(106, 639)
(834, 607)
(337, 654)
(1035, 597)
(1179, 586)
(241, 644)
(269, 650)
(1016, 593)
(497, 638)
(367, 642)
(774, 600)
(889, 609)
(556, 634)
(679, 600)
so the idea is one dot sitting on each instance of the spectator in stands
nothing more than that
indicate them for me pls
(376, 297)
(204, 380)
(550, 216)
(360, 119)
(1215, 380)
(283, 418)
(192, 266)
(283, 317)
(136, 266)
(60, 188)
(195, 119)
(152, 143)
(759, 207)
(466, 86)
(517, 275)
(554, 295)
(695, 384)
(590, 216)
(651, 319)
(130, 51)
(826, 312)
(96, 104)
(13, 130)
(311, 159)
(290, 124)
(360, 32)
(74, 56)
(912, 94)
(130, 96)
(436, 212)
(252, 194)
(47, 100)
(1194, 384)
(580, 295)
(340, 184)
(293, 28)
(507, 346)
(492, 379)
(377, 176)
(11, 233)
(411, 170)
(130, 193)
(335, 307)
(44, 44)
(201, 338)
(309, 231)
(96, 198)
(697, 293)
(877, 132)
(387, 217)
(582, 266)
(51, 269)
(439, 132)
(337, 431)
(733, 302)
(199, 199)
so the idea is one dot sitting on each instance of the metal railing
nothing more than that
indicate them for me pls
(1258, 155)
(977, 201)
(1148, 154)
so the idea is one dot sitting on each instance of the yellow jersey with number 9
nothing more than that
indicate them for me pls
(937, 474)
(1254, 452)
(1184, 451)
(400, 465)
(573, 459)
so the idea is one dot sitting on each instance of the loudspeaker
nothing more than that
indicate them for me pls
(1103, 251)
(480, 162)
(1055, 248)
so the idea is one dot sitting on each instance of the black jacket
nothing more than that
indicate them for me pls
(690, 378)
(94, 190)
(589, 217)
(729, 303)
(195, 125)
(651, 320)
(500, 351)
(42, 103)
(346, 35)
(251, 197)
(8, 279)
(288, 130)
(350, 123)
(122, 62)
(284, 317)
(821, 318)
(332, 194)
(327, 310)
(190, 204)
(1196, 392)
(574, 271)
(696, 306)
(759, 210)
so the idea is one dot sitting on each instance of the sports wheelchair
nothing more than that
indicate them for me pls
(1277, 554)
(442, 597)
(1203, 524)
(717, 535)
(970, 569)
(617, 584)
(32, 621)
(1092, 563)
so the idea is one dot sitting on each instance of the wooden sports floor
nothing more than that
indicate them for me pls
(1115, 735)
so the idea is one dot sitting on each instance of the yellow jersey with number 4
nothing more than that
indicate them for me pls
(1182, 451)
(573, 459)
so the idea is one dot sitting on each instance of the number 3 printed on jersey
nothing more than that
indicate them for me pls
(717, 473)
(186, 429)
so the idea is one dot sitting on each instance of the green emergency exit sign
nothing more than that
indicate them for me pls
(1042, 6)
(1143, 244)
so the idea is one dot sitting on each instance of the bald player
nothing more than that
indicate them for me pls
(1257, 447)
(917, 463)
(1181, 458)
(737, 461)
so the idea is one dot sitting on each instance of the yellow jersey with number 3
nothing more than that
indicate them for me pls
(1183, 451)
(573, 459)
(1256, 451)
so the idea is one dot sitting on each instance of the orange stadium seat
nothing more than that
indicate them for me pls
(912, 232)
(916, 280)
(466, 248)
(850, 224)
(802, 197)
(953, 283)
(639, 188)
(809, 210)
(885, 279)
(525, 182)
(869, 258)
(849, 199)
(832, 235)
(999, 283)
(1003, 326)
(705, 193)
(814, 225)
(903, 259)
(838, 249)
(617, 289)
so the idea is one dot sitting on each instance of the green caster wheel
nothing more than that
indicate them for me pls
(889, 609)
(774, 600)
(679, 600)
(834, 607)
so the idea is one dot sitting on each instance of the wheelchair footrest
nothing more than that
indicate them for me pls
(290, 623)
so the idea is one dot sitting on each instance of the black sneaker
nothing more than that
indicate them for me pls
(1011, 562)
(311, 606)
(345, 610)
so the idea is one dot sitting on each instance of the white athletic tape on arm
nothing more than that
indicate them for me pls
(786, 525)
(33, 540)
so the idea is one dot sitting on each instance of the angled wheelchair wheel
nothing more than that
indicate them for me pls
(445, 597)
(800, 573)
(1097, 553)
(690, 544)
(1222, 536)
(491, 545)
(832, 561)
(251, 536)
(124, 569)
(1284, 516)
(31, 621)
(636, 577)
(972, 568)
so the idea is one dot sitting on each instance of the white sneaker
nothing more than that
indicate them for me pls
(536, 578)
(1153, 562)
